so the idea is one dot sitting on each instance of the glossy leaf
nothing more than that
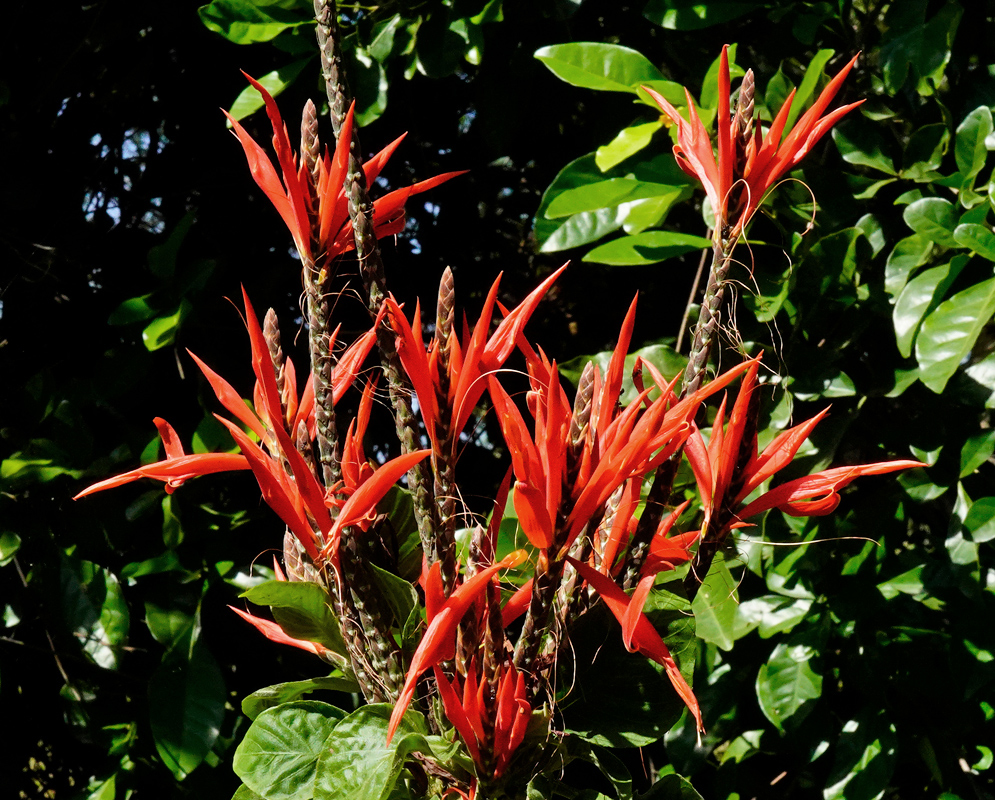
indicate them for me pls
(629, 141)
(648, 247)
(245, 22)
(249, 101)
(186, 709)
(580, 229)
(278, 758)
(978, 238)
(94, 610)
(906, 255)
(281, 693)
(970, 148)
(303, 610)
(604, 67)
(948, 334)
(916, 48)
(715, 606)
(611, 192)
(789, 684)
(934, 218)
(920, 296)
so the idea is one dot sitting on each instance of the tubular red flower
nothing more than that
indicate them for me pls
(767, 160)
(291, 196)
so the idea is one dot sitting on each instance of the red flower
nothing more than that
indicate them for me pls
(619, 444)
(443, 614)
(471, 361)
(291, 197)
(465, 707)
(764, 161)
(176, 468)
(715, 466)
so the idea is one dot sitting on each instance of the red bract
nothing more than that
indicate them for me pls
(466, 708)
(765, 160)
(716, 471)
(471, 361)
(619, 444)
(329, 222)
(176, 468)
(639, 633)
(296, 496)
(443, 614)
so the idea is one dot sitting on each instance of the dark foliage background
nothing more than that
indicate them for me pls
(128, 216)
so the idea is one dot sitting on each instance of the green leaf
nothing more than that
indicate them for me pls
(611, 192)
(627, 142)
(909, 582)
(690, 15)
(770, 614)
(662, 356)
(865, 759)
(278, 758)
(924, 152)
(907, 254)
(94, 609)
(789, 683)
(862, 144)
(672, 787)
(249, 101)
(357, 764)
(186, 709)
(172, 628)
(161, 332)
(980, 519)
(248, 21)
(806, 88)
(302, 609)
(933, 218)
(920, 296)
(581, 228)
(400, 595)
(970, 149)
(715, 605)
(948, 334)
(604, 67)
(976, 451)
(134, 309)
(978, 238)
(10, 543)
(912, 45)
(649, 247)
(281, 693)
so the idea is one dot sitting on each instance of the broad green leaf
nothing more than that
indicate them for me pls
(580, 229)
(173, 628)
(980, 520)
(134, 309)
(970, 149)
(710, 84)
(303, 610)
(249, 100)
(243, 792)
(978, 238)
(186, 709)
(10, 543)
(94, 610)
(865, 759)
(920, 296)
(401, 597)
(613, 768)
(933, 218)
(715, 606)
(161, 332)
(281, 693)
(976, 451)
(627, 142)
(870, 226)
(604, 67)
(278, 758)
(610, 192)
(662, 356)
(907, 254)
(368, 80)
(909, 582)
(948, 334)
(863, 145)
(913, 45)
(648, 247)
(924, 152)
(789, 683)
(248, 21)
(689, 15)
(357, 763)
(779, 88)
(770, 614)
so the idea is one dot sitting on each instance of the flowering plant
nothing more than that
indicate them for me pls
(462, 662)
